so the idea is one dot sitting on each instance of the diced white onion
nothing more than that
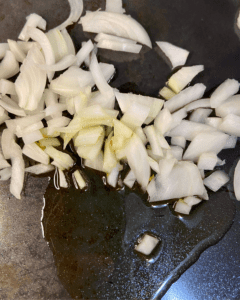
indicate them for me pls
(216, 180)
(39, 169)
(230, 106)
(115, 6)
(79, 180)
(5, 174)
(182, 207)
(231, 142)
(17, 176)
(118, 46)
(231, 125)
(62, 64)
(84, 52)
(207, 161)
(62, 179)
(16, 50)
(236, 181)
(8, 66)
(178, 141)
(3, 49)
(147, 244)
(36, 153)
(7, 87)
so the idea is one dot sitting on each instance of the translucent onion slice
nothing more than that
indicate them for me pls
(62, 64)
(7, 87)
(84, 52)
(103, 36)
(61, 158)
(225, 90)
(114, 6)
(166, 93)
(137, 158)
(33, 20)
(177, 56)
(96, 164)
(179, 80)
(185, 97)
(40, 37)
(81, 183)
(153, 164)
(50, 141)
(177, 117)
(216, 180)
(16, 50)
(39, 169)
(119, 46)
(58, 43)
(205, 142)
(62, 179)
(76, 8)
(90, 151)
(69, 41)
(11, 106)
(88, 136)
(116, 24)
(31, 81)
(8, 66)
(36, 153)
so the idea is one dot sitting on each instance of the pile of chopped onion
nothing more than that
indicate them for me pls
(168, 144)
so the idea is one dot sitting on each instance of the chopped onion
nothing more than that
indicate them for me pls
(69, 41)
(39, 169)
(214, 122)
(118, 46)
(177, 117)
(3, 162)
(179, 80)
(3, 49)
(62, 179)
(96, 164)
(90, 151)
(216, 180)
(76, 9)
(177, 56)
(115, 6)
(33, 20)
(182, 207)
(7, 87)
(8, 143)
(192, 200)
(177, 152)
(84, 52)
(58, 43)
(52, 110)
(8, 66)
(17, 176)
(147, 244)
(11, 106)
(116, 24)
(236, 181)
(163, 121)
(231, 125)
(130, 179)
(200, 115)
(112, 178)
(80, 182)
(185, 97)
(16, 50)
(40, 37)
(202, 103)
(207, 161)
(178, 141)
(153, 164)
(62, 64)
(205, 142)
(26, 46)
(166, 93)
(230, 106)
(225, 90)
(88, 136)
(5, 174)
(153, 140)
(102, 36)
(63, 159)
(36, 153)
(32, 137)
(231, 142)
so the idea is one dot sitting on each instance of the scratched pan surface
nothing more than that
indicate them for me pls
(92, 235)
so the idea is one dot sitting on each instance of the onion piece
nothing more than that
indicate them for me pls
(231, 142)
(84, 52)
(138, 160)
(225, 90)
(33, 20)
(11, 106)
(39, 169)
(5, 174)
(122, 135)
(69, 41)
(130, 179)
(36, 153)
(52, 110)
(112, 178)
(147, 244)
(182, 207)
(153, 140)
(163, 121)
(178, 141)
(8, 143)
(230, 106)
(88, 136)
(58, 43)
(191, 200)
(185, 97)
(76, 9)
(3, 162)
(100, 80)
(7, 87)
(118, 46)
(200, 115)
(62, 179)
(216, 180)
(8, 66)
(103, 36)
(183, 180)
(40, 37)
(63, 159)
(17, 176)
(75, 80)
(26, 46)
(189, 129)
(166, 93)
(62, 64)
(31, 82)
(81, 183)
(231, 125)
(179, 80)
(32, 137)
(114, 6)
(177, 56)
(177, 117)
(125, 100)
(50, 141)
(96, 164)
(202, 103)
(214, 122)
(236, 181)
(177, 152)
(16, 50)
(205, 142)
(90, 151)
(207, 161)
(116, 24)
(140, 133)
(3, 49)
(153, 164)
